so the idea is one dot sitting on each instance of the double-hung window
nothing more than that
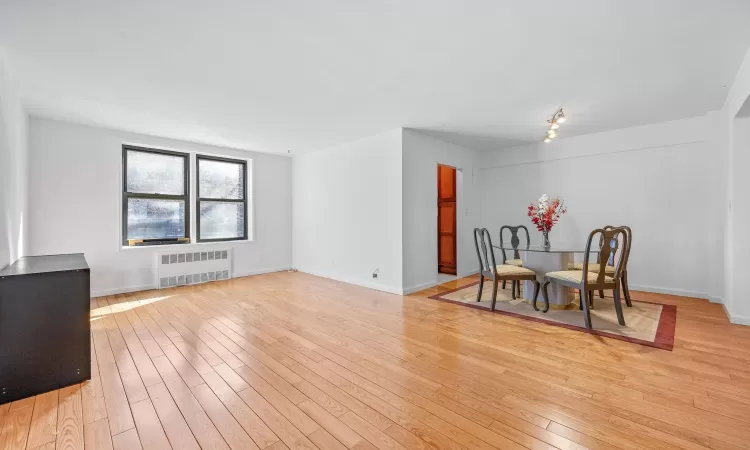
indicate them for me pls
(221, 203)
(155, 203)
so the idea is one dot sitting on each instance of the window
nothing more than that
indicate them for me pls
(221, 204)
(155, 204)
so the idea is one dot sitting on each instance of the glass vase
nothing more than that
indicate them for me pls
(546, 243)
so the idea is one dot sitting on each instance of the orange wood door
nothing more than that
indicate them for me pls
(446, 203)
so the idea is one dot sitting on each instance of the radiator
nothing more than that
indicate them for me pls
(181, 269)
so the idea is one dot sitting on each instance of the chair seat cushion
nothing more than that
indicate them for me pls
(514, 262)
(593, 267)
(512, 271)
(576, 276)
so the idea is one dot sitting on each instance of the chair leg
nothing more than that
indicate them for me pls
(494, 294)
(503, 284)
(618, 306)
(537, 285)
(601, 293)
(580, 297)
(513, 289)
(546, 296)
(481, 285)
(591, 299)
(625, 288)
(586, 311)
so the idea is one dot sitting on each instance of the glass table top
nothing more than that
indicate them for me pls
(555, 248)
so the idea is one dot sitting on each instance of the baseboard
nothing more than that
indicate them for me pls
(678, 292)
(377, 287)
(147, 287)
(468, 274)
(433, 283)
(122, 290)
(261, 271)
(420, 287)
(736, 318)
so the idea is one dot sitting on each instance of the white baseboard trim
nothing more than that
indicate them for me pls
(148, 287)
(433, 283)
(673, 291)
(261, 271)
(736, 318)
(469, 273)
(122, 290)
(419, 287)
(377, 287)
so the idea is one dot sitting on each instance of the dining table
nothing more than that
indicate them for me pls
(542, 260)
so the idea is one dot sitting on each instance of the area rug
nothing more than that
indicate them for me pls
(649, 324)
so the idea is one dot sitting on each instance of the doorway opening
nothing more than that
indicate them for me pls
(446, 220)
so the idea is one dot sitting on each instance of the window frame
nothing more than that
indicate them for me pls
(198, 198)
(128, 195)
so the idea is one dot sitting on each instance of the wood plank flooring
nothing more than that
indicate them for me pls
(293, 361)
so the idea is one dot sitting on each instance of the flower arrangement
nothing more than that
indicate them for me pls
(546, 214)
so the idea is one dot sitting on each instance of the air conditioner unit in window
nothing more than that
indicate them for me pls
(143, 242)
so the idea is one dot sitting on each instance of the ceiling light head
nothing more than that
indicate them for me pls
(554, 124)
(558, 117)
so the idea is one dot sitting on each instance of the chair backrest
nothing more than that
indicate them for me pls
(514, 241)
(610, 237)
(626, 249)
(483, 243)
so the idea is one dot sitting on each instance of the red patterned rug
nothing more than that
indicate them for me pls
(646, 323)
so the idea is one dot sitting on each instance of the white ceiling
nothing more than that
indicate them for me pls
(275, 75)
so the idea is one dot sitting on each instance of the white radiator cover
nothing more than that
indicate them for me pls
(185, 268)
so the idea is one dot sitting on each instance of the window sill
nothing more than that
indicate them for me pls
(192, 245)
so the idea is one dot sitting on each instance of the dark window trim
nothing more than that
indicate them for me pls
(126, 195)
(198, 198)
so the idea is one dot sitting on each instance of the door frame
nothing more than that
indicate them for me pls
(455, 216)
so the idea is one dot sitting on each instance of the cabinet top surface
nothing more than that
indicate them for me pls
(44, 264)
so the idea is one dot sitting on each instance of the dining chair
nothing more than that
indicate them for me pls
(610, 267)
(586, 280)
(514, 241)
(498, 272)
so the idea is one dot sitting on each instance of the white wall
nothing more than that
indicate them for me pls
(663, 180)
(13, 171)
(347, 212)
(738, 305)
(731, 140)
(421, 155)
(75, 194)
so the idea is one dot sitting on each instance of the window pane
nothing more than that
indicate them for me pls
(154, 173)
(155, 219)
(219, 179)
(222, 220)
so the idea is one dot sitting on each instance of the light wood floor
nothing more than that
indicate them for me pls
(289, 360)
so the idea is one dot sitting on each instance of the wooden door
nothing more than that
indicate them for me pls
(446, 203)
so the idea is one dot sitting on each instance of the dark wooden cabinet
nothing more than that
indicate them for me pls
(44, 325)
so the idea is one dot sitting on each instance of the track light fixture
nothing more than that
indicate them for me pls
(554, 123)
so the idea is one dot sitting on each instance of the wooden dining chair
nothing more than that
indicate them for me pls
(586, 280)
(610, 267)
(516, 260)
(497, 272)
